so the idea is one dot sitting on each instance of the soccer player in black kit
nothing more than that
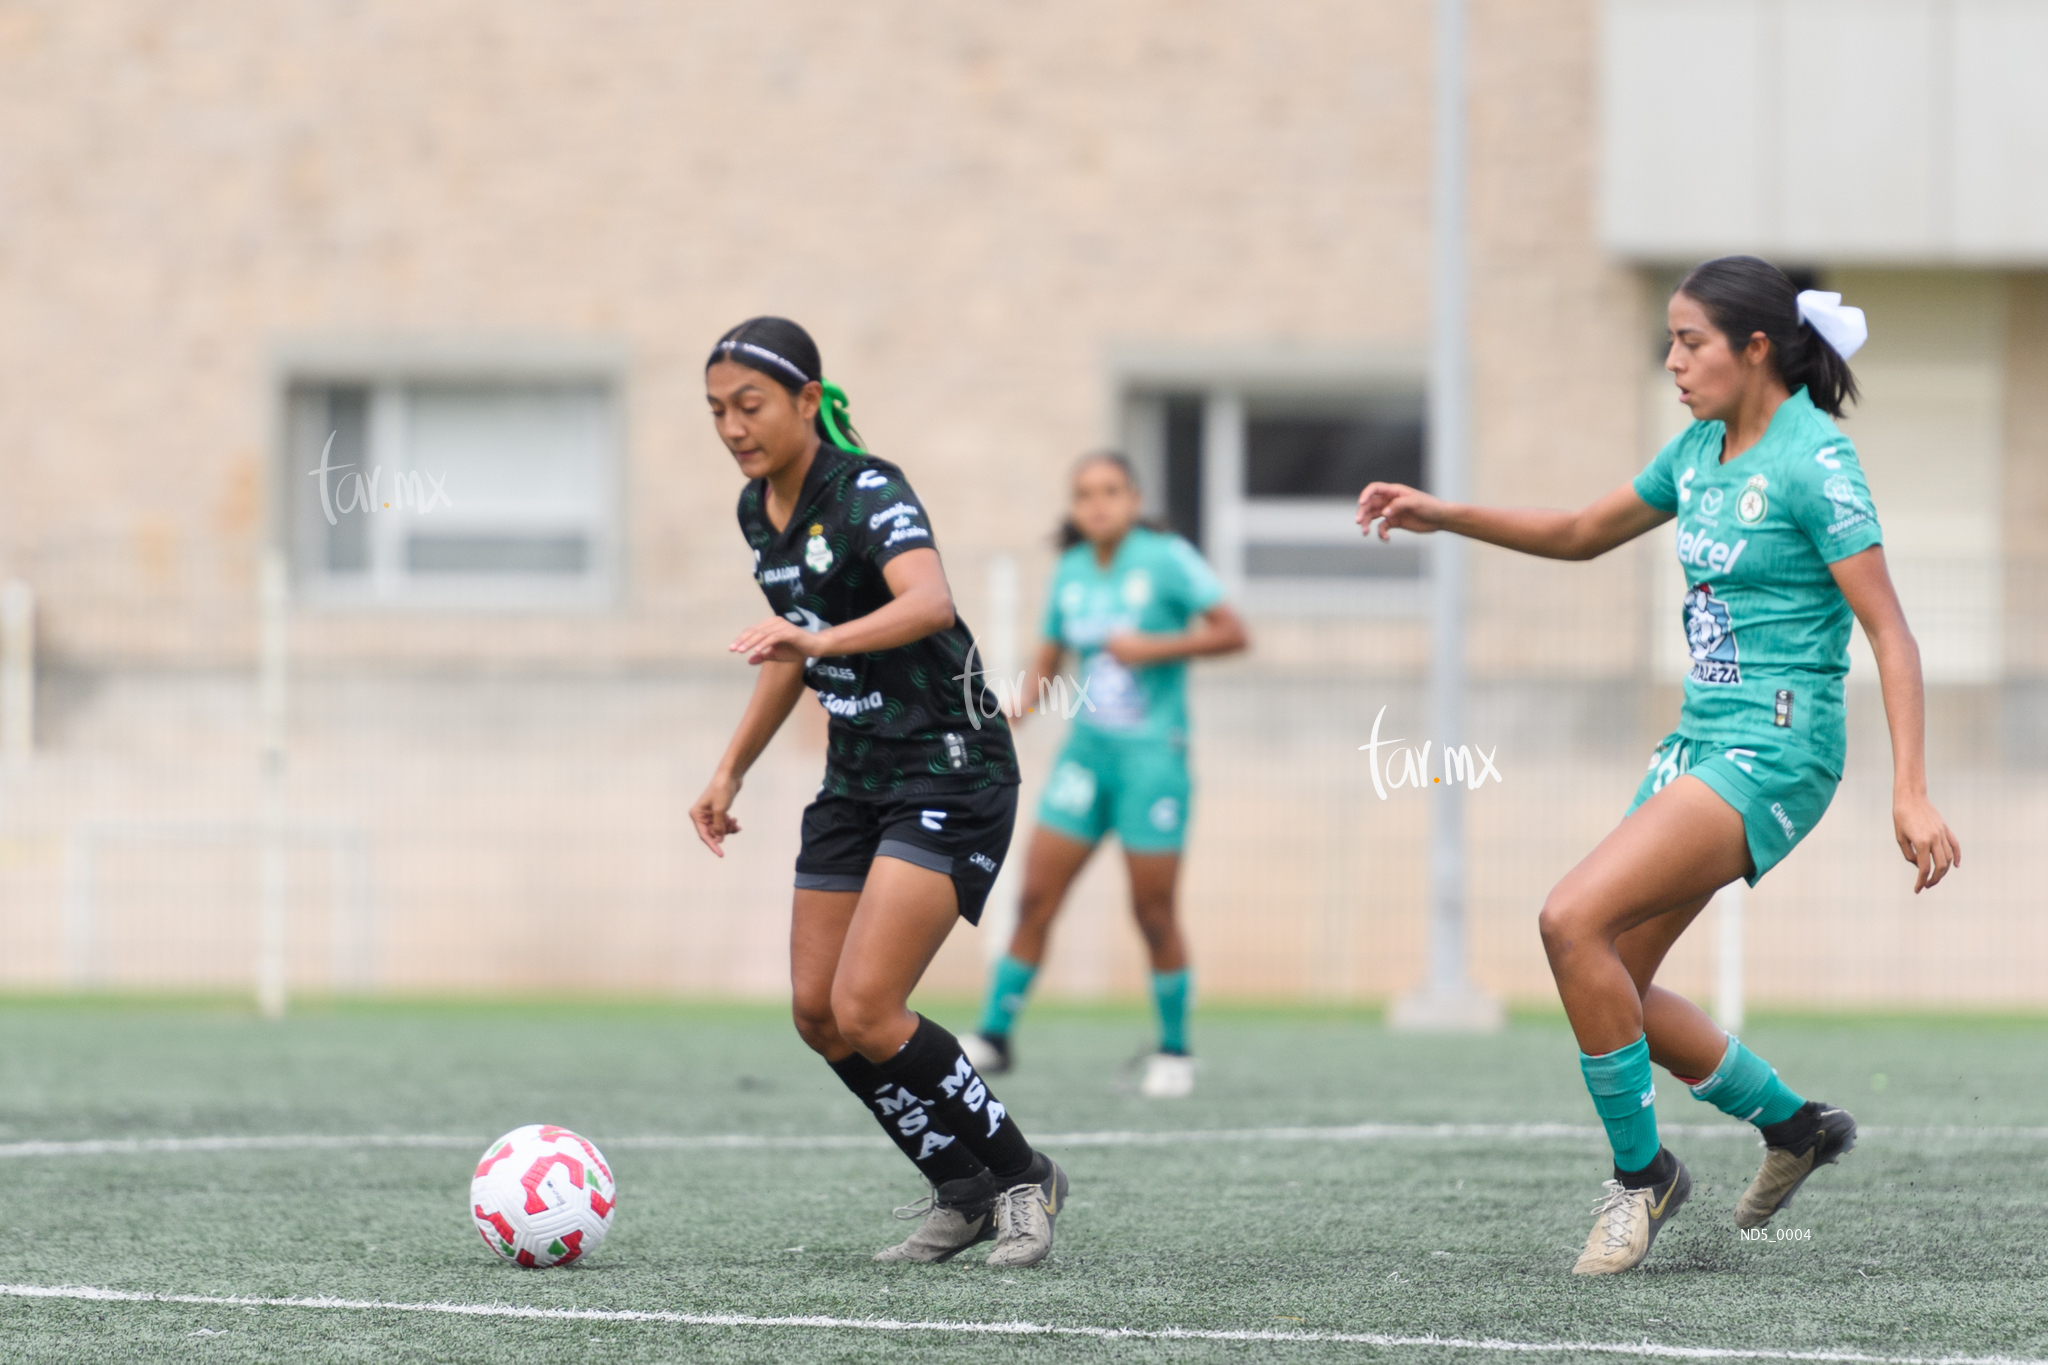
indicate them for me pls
(915, 812)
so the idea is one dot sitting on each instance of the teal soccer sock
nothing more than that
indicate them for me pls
(1623, 1096)
(1006, 991)
(1170, 998)
(1746, 1087)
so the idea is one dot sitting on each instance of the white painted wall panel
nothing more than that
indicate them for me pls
(1856, 127)
(1668, 78)
(1894, 132)
(2001, 118)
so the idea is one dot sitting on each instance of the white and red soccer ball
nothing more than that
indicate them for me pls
(542, 1196)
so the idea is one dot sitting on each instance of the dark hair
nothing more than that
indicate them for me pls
(785, 353)
(1069, 535)
(1742, 296)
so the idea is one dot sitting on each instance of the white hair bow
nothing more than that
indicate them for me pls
(1845, 329)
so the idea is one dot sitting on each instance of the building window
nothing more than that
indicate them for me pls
(1266, 480)
(452, 491)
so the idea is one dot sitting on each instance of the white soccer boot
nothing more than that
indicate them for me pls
(1025, 1214)
(954, 1217)
(1628, 1222)
(1168, 1076)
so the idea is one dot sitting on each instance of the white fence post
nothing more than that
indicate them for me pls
(1728, 968)
(17, 674)
(78, 973)
(273, 867)
(1001, 657)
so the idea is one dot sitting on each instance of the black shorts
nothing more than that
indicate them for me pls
(964, 837)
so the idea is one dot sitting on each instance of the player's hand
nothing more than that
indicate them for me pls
(1925, 839)
(1397, 507)
(712, 813)
(1128, 648)
(781, 641)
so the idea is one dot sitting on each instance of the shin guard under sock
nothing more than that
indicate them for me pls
(936, 1150)
(932, 1065)
(1745, 1086)
(1624, 1098)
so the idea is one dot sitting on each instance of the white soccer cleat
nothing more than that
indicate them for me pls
(1024, 1216)
(989, 1056)
(1785, 1169)
(1168, 1076)
(952, 1218)
(1627, 1221)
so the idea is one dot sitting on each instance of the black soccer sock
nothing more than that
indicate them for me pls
(1656, 1173)
(1796, 1132)
(931, 1064)
(909, 1122)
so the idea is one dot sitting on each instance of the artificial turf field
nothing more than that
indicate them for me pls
(1924, 1244)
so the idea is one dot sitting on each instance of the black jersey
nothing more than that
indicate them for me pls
(903, 720)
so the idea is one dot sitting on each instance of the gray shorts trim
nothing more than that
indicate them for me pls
(917, 857)
(829, 881)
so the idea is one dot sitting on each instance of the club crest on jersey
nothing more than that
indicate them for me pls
(817, 553)
(1752, 505)
(1711, 636)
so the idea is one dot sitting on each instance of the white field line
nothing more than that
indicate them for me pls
(1360, 1132)
(1001, 1329)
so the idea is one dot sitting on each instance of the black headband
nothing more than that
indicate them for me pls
(763, 353)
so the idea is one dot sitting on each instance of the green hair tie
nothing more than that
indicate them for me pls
(838, 424)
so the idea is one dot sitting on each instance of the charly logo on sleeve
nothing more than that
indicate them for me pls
(1711, 636)
(817, 553)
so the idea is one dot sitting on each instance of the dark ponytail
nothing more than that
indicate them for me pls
(785, 353)
(1069, 535)
(1742, 296)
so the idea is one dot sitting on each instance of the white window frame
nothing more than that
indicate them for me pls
(390, 370)
(1231, 381)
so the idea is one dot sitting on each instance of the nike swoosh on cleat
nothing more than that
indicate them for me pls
(1657, 1209)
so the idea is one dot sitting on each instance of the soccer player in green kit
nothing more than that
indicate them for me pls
(1134, 604)
(1780, 545)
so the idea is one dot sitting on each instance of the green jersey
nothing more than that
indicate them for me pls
(1767, 627)
(1155, 583)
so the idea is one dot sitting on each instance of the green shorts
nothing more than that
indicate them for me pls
(1779, 791)
(1138, 788)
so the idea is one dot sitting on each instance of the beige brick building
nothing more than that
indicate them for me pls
(486, 248)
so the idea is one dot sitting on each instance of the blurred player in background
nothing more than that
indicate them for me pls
(1134, 604)
(1780, 545)
(919, 797)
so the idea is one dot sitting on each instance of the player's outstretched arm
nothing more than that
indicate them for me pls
(1924, 837)
(776, 689)
(1614, 519)
(1219, 630)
